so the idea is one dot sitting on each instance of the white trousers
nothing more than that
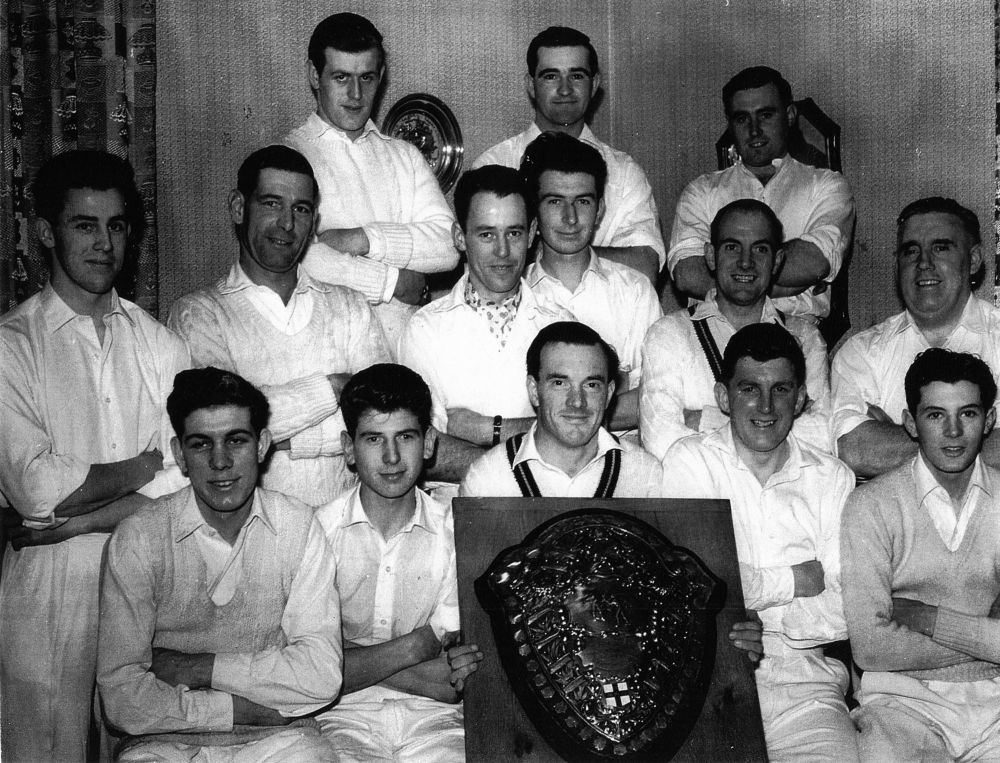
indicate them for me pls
(295, 745)
(801, 695)
(906, 719)
(397, 727)
(48, 649)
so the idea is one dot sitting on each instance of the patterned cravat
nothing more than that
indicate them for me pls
(500, 317)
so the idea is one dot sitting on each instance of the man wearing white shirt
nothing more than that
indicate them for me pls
(394, 545)
(297, 338)
(786, 498)
(567, 453)
(565, 178)
(815, 206)
(938, 249)
(921, 551)
(469, 345)
(682, 352)
(84, 378)
(562, 78)
(383, 221)
(220, 620)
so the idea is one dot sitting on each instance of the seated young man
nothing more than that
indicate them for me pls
(921, 551)
(567, 453)
(681, 352)
(219, 615)
(786, 499)
(395, 554)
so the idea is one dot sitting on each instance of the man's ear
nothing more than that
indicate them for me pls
(236, 206)
(601, 209)
(612, 386)
(532, 391)
(175, 447)
(722, 397)
(263, 444)
(710, 255)
(430, 442)
(458, 236)
(312, 76)
(529, 86)
(800, 399)
(46, 235)
(791, 114)
(347, 443)
(909, 424)
(595, 84)
(975, 258)
(779, 261)
(991, 420)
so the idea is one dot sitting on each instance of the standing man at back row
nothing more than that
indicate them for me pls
(383, 221)
(562, 78)
(815, 206)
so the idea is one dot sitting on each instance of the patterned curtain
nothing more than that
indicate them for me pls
(74, 74)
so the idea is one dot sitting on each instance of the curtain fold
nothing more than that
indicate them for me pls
(74, 74)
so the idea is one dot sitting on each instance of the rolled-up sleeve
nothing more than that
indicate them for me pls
(306, 674)
(831, 220)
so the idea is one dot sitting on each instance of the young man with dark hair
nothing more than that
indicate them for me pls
(219, 614)
(469, 345)
(815, 206)
(84, 376)
(786, 498)
(681, 353)
(562, 78)
(383, 219)
(921, 554)
(567, 453)
(395, 554)
(269, 320)
(938, 250)
(565, 180)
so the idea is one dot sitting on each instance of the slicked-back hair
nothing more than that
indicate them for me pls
(561, 37)
(212, 387)
(933, 204)
(749, 206)
(276, 157)
(763, 342)
(560, 152)
(754, 77)
(385, 388)
(346, 32)
(937, 364)
(569, 332)
(78, 169)
(490, 178)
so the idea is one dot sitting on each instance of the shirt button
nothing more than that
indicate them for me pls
(382, 621)
(107, 400)
(388, 569)
(114, 446)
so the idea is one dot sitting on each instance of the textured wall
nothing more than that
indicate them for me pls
(911, 84)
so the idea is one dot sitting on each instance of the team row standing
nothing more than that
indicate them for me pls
(301, 339)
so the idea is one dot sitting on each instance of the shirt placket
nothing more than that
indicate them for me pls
(385, 588)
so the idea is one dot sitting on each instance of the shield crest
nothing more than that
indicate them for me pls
(606, 631)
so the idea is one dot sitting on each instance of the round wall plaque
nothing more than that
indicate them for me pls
(427, 123)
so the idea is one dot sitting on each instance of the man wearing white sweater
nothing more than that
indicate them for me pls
(921, 576)
(268, 320)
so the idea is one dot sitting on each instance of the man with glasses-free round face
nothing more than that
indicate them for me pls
(561, 82)
(815, 206)
(383, 221)
(938, 249)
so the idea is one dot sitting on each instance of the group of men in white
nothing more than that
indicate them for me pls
(277, 586)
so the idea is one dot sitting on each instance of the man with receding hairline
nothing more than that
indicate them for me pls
(815, 206)
(938, 250)
(562, 79)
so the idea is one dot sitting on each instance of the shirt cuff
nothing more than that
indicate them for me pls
(214, 709)
(391, 279)
(230, 673)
